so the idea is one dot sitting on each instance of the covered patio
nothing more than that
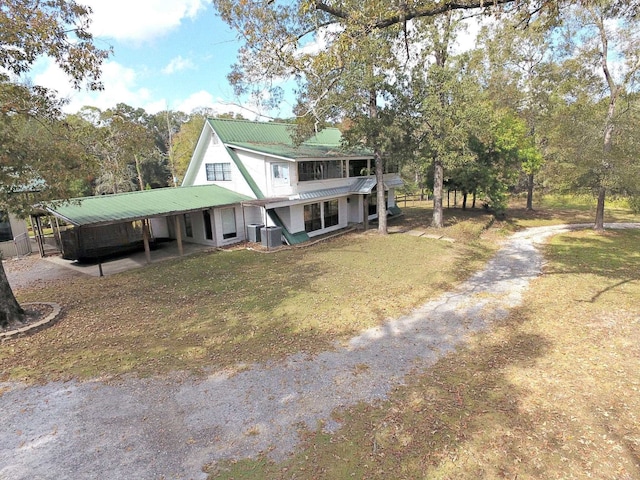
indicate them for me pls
(97, 228)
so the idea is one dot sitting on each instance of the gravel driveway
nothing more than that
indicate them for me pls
(169, 428)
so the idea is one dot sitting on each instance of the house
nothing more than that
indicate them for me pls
(242, 176)
(94, 227)
(307, 190)
(14, 236)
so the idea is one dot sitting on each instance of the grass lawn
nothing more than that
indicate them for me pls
(549, 392)
(229, 308)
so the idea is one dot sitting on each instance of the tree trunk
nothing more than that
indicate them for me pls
(10, 310)
(139, 172)
(530, 192)
(599, 225)
(382, 208)
(379, 168)
(438, 181)
(464, 200)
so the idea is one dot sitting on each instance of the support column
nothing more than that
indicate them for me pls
(145, 239)
(178, 228)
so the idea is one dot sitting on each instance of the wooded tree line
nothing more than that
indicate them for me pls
(548, 96)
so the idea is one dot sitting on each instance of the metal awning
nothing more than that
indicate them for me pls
(132, 206)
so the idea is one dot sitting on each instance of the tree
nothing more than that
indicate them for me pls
(606, 34)
(345, 79)
(330, 48)
(184, 142)
(30, 29)
(517, 67)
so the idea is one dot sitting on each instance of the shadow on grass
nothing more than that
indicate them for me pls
(463, 406)
(612, 255)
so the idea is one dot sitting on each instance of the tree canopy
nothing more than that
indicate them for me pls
(38, 153)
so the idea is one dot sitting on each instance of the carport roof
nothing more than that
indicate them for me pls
(130, 206)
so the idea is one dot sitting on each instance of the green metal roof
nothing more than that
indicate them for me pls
(276, 139)
(124, 207)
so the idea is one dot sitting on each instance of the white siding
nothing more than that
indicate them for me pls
(160, 227)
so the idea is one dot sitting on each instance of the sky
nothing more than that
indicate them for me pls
(167, 54)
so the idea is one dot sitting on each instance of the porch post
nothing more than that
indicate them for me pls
(176, 219)
(365, 202)
(145, 239)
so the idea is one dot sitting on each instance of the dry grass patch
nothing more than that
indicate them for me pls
(551, 392)
(218, 310)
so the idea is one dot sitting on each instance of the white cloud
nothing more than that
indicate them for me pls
(140, 20)
(204, 99)
(120, 87)
(178, 64)
(320, 41)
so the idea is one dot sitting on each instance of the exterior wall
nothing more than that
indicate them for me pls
(18, 226)
(160, 227)
(253, 215)
(217, 153)
(257, 167)
(9, 248)
(285, 215)
(297, 218)
(197, 229)
(355, 209)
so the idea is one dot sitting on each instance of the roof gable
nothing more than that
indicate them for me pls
(276, 139)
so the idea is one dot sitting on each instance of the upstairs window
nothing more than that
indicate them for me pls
(359, 168)
(218, 172)
(320, 170)
(280, 173)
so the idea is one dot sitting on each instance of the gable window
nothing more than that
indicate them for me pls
(280, 173)
(228, 223)
(218, 172)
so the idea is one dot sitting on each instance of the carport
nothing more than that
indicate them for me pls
(105, 224)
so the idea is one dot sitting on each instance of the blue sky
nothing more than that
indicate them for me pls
(173, 54)
(166, 54)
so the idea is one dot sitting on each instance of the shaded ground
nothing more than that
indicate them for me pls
(171, 427)
(34, 271)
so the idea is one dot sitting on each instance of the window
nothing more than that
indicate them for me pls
(218, 172)
(208, 231)
(280, 173)
(320, 215)
(320, 170)
(228, 223)
(358, 168)
(188, 227)
(312, 217)
(330, 213)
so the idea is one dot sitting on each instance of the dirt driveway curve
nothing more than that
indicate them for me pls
(170, 427)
